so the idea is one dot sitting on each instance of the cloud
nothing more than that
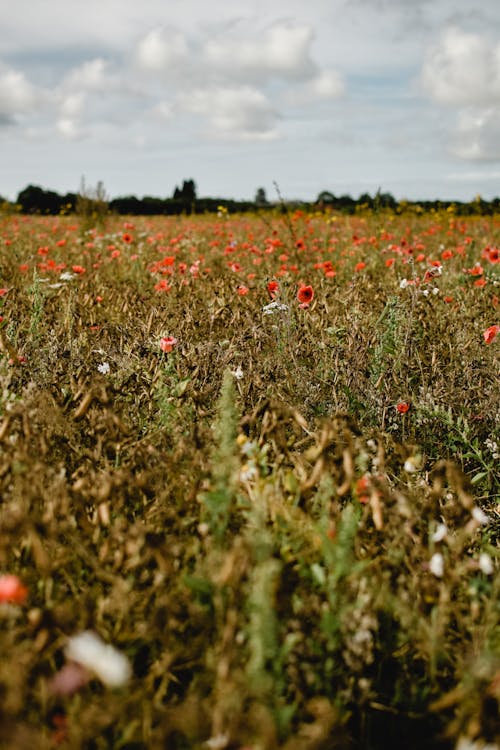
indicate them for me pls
(477, 136)
(17, 94)
(161, 48)
(91, 75)
(463, 71)
(282, 50)
(326, 85)
(239, 113)
(462, 68)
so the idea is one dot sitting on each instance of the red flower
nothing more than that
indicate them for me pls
(78, 269)
(490, 333)
(167, 343)
(126, 237)
(305, 294)
(402, 407)
(272, 288)
(242, 290)
(359, 266)
(12, 590)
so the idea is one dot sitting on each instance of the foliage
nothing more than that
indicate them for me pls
(282, 508)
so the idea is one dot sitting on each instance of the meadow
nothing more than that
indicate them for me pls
(249, 481)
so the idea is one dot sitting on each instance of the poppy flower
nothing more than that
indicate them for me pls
(402, 407)
(12, 590)
(490, 333)
(272, 288)
(305, 294)
(167, 343)
(359, 266)
(126, 237)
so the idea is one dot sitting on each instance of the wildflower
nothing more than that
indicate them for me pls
(490, 333)
(359, 266)
(162, 286)
(485, 564)
(106, 662)
(272, 288)
(436, 565)
(402, 407)
(78, 269)
(238, 373)
(167, 343)
(272, 307)
(3, 292)
(305, 294)
(126, 237)
(103, 368)
(362, 489)
(242, 290)
(70, 678)
(440, 533)
(480, 516)
(432, 272)
(12, 590)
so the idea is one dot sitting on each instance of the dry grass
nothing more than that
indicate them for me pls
(289, 523)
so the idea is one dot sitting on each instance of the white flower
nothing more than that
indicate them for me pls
(403, 283)
(218, 742)
(480, 516)
(67, 276)
(238, 373)
(273, 306)
(436, 565)
(105, 661)
(104, 368)
(485, 564)
(440, 533)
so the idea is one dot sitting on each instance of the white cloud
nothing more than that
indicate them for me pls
(478, 135)
(69, 128)
(91, 75)
(242, 113)
(72, 104)
(17, 94)
(283, 50)
(463, 68)
(326, 85)
(160, 49)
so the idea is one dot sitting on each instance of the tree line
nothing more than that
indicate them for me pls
(184, 200)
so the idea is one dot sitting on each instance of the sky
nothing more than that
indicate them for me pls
(349, 96)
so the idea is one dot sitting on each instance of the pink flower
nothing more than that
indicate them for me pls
(167, 343)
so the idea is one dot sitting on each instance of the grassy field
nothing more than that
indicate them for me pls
(258, 457)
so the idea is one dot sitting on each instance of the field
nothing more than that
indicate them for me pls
(258, 457)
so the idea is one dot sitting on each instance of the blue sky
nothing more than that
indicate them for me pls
(341, 95)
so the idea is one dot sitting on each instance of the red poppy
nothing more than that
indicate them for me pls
(490, 333)
(242, 290)
(167, 343)
(359, 266)
(402, 407)
(126, 237)
(12, 590)
(272, 288)
(305, 294)
(78, 269)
